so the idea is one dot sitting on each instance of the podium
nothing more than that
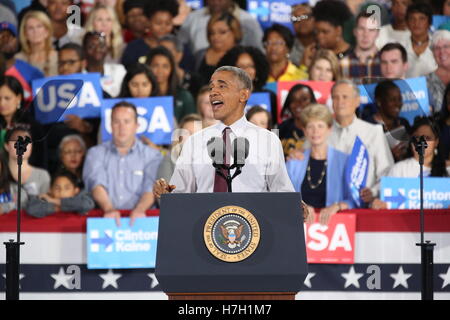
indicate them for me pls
(239, 246)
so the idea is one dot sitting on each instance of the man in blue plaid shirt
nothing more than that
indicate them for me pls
(363, 61)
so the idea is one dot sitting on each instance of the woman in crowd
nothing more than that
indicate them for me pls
(438, 80)
(444, 126)
(255, 63)
(13, 112)
(36, 42)
(389, 102)
(260, 117)
(139, 82)
(324, 67)
(96, 50)
(420, 57)
(35, 181)
(278, 41)
(320, 175)
(434, 162)
(204, 107)
(223, 32)
(330, 17)
(291, 129)
(160, 14)
(189, 125)
(72, 150)
(162, 64)
(7, 202)
(103, 19)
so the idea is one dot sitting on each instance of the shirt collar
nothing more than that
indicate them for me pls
(237, 127)
(338, 126)
(133, 148)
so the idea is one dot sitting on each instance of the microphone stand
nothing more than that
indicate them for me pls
(13, 247)
(426, 257)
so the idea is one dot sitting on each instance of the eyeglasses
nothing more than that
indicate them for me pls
(277, 43)
(444, 47)
(69, 152)
(70, 62)
(301, 18)
(427, 138)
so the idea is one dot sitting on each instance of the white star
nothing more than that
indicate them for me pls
(21, 276)
(351, 278)
(400, 278)
(446, 278)
(62, 279)
(110, 279)
(155, 281)
(308, 279)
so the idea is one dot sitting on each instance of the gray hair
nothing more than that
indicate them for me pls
(70, 137)
(348, 82)
(244, 79)
(174, 39)
(438, 36)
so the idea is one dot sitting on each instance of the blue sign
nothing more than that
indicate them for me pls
(155, 118)
(56, 99)
(195, 4)
(272, 86)
(438, 21)
(404, 193)
(356, 171)
(414, 94)
(112, 247)
(268, 12)
(261, 99)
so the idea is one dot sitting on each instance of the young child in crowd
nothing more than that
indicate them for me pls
(64, 195)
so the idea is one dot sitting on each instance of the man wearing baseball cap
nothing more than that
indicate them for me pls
(23, 71)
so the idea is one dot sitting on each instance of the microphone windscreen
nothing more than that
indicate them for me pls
(215, 147)
(241, 148)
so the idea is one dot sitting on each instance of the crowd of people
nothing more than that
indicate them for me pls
(164, 48)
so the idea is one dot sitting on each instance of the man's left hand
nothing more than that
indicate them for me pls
(136, 213)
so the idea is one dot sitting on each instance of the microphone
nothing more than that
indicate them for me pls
(241, 148)
(216, 147)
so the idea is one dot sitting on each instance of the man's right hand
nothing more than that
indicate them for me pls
(113, 214)
(161, 186)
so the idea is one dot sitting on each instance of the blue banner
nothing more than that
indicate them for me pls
(404, 193)
(268, 12)
(112, 247)
(356, 171)
(261, 99)
(438, 21)
(195, 4)
(155, 118)
(414, 94)
(57, 92)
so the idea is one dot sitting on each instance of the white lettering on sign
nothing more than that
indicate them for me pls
(64, 93)
(319, 240)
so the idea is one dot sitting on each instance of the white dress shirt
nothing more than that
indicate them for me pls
(388, 34)
(419, 66)
(372, 136)
(264, 169)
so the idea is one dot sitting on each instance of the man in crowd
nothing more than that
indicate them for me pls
(120, 173)
(393, 61)
(363, 62)
(346, 99)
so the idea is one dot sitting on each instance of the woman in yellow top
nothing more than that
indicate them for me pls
(278, 41)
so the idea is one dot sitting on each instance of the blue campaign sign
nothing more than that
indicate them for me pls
(404, 193)
(195, 4)
(155, 118)
(261, 99)
(356, 171)
(54, 99)
(438, 21)
(268, 12)
(272, 86)
(112, 247)
(414, 94)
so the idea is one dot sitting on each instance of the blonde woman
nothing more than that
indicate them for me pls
(104, 20)
(324, 66)
(36, 41)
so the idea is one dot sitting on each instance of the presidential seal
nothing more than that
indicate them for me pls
(231, 234)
